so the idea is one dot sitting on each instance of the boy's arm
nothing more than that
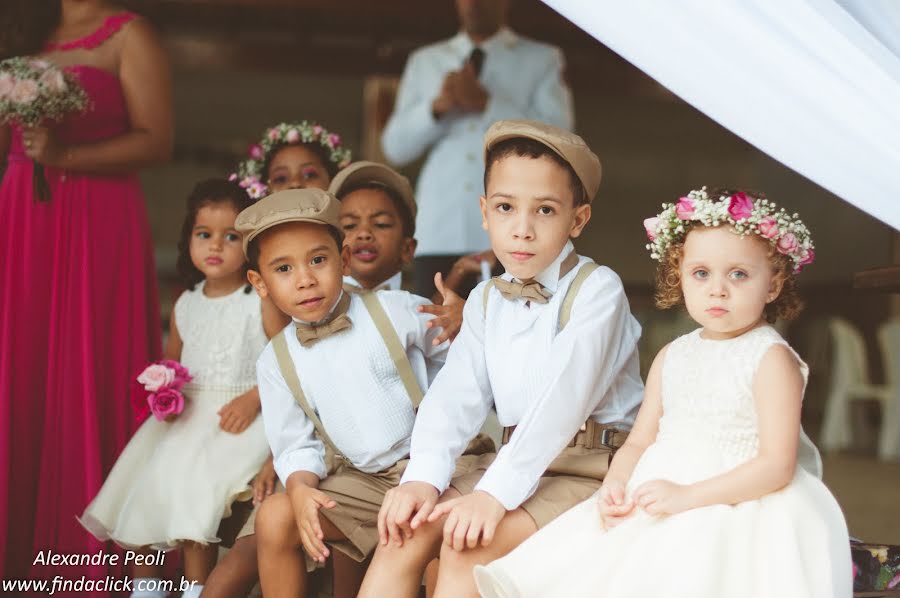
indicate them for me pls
(585, 359)
(291, 435)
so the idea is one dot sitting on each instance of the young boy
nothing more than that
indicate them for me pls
(338, 387)
(552, 344)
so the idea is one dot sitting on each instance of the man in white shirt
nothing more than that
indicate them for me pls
(551, 344)
(450, 94)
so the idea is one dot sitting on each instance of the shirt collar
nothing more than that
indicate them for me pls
(504, 38)
(394, 283)
(549, 276)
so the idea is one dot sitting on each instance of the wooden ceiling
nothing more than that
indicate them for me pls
(358, 37)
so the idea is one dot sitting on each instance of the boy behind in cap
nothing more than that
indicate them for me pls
(551, 344)
(338, 387)
(378, 219)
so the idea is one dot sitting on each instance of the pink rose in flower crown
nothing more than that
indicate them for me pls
(292, 136)
(156, 376)
(272, 134)
(787, 244)
(24, 92)
(768, 228)
(684, 209)
(256, 151)
(233, 177)
(165, 403)
(741, 206)
(317, 130)
(808, 257)
(650, 225)
(334, 140)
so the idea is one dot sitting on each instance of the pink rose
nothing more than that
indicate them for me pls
(24, 92)
(317, 130)
(156, 376)
(182, 376)
(256, 151)
(684, 209)
(165, 402)
(53, 80)
(787, 244)
(808, 257)
(273, 134)
(650, 225)
(293, 136)
(7, 83)
(740, 206)
(768, 227)
(334, 140)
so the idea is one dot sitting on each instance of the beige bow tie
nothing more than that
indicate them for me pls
(530, 290)
(310, 334)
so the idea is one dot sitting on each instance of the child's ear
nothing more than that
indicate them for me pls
(775, 288)
(345, 260)
(256, 279)
(482, 201)
(582, 216)
(408, 250)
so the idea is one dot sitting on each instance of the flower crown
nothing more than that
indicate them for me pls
(743, 213)
(250, 172)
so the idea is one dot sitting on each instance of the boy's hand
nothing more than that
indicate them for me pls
(468, 519)
(468, 265)
(613, 506)
(263, 483)
(448, 316)
(306, 502)
(661, 497)
(404, 509)
(239, 413)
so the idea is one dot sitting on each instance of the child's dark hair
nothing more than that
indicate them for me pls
(529, 148)
(253, 245)
(210, 191)
(788, 304)
(315, 147)
(406, 218)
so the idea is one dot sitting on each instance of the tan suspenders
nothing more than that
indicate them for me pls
(394, 347)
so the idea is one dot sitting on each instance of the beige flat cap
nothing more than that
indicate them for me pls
(290, 205)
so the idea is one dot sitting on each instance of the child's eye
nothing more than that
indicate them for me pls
(348, 226)
(504, 207)
(700, 274)
(319, 259)
(231, 237)
(738, 275)
(545, 210)
(283, 268)
(384, 225)
(279, 179)
(203, 235)
(310, 173)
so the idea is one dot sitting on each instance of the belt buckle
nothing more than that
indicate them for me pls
(607, 437)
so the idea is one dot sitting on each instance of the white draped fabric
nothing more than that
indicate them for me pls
(813, 83)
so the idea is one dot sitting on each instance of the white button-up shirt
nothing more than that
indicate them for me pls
(350, 380)
(544, 382)
(523, 79)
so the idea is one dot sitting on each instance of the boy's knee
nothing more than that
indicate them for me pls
(275, 522)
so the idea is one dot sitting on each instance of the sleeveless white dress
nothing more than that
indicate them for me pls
(790, 543)
(176, 481)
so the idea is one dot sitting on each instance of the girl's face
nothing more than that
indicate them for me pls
(297, 167)
(216, 246)
(727, 280)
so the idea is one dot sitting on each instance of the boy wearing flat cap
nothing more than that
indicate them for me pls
(338, 386)
(551, 344)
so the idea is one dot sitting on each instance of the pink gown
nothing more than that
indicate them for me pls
(79, 318)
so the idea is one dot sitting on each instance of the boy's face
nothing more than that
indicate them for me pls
(301, 269)
(297, 167)
(529, 213)
(373, 232)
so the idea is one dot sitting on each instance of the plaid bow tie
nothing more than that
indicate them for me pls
(310, 334)
(530, 290)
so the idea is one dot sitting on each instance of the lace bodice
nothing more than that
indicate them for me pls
(223, 337)
(707, 395)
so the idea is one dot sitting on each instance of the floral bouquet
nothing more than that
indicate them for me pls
(163, 381)
(33, 92)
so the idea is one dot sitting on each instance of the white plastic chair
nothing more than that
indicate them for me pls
(889, 339)
(849, 381)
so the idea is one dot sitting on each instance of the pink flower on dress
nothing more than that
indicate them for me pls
(740, 207)
(650, 225)
(7, 84)
(273, 134)
(768, 227)
(293, 136)
(334, 140)
(787, 244)
(53, 80)
(684, 209)
(24, 92)
(256, 151)
(807, 258)
(165, 402)
(156, 376)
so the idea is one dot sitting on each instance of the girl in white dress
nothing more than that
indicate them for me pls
(175, 481)
(706, 499)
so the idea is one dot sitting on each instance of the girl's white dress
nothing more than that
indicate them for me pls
(791, 543)
(176, 481)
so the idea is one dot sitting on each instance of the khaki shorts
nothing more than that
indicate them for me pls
(556, 492)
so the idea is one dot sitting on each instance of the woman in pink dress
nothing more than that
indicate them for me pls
(79, 314)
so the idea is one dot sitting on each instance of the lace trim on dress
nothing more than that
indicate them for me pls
(110, 26)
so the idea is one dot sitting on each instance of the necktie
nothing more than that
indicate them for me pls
(310, 334)
(476, 58)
